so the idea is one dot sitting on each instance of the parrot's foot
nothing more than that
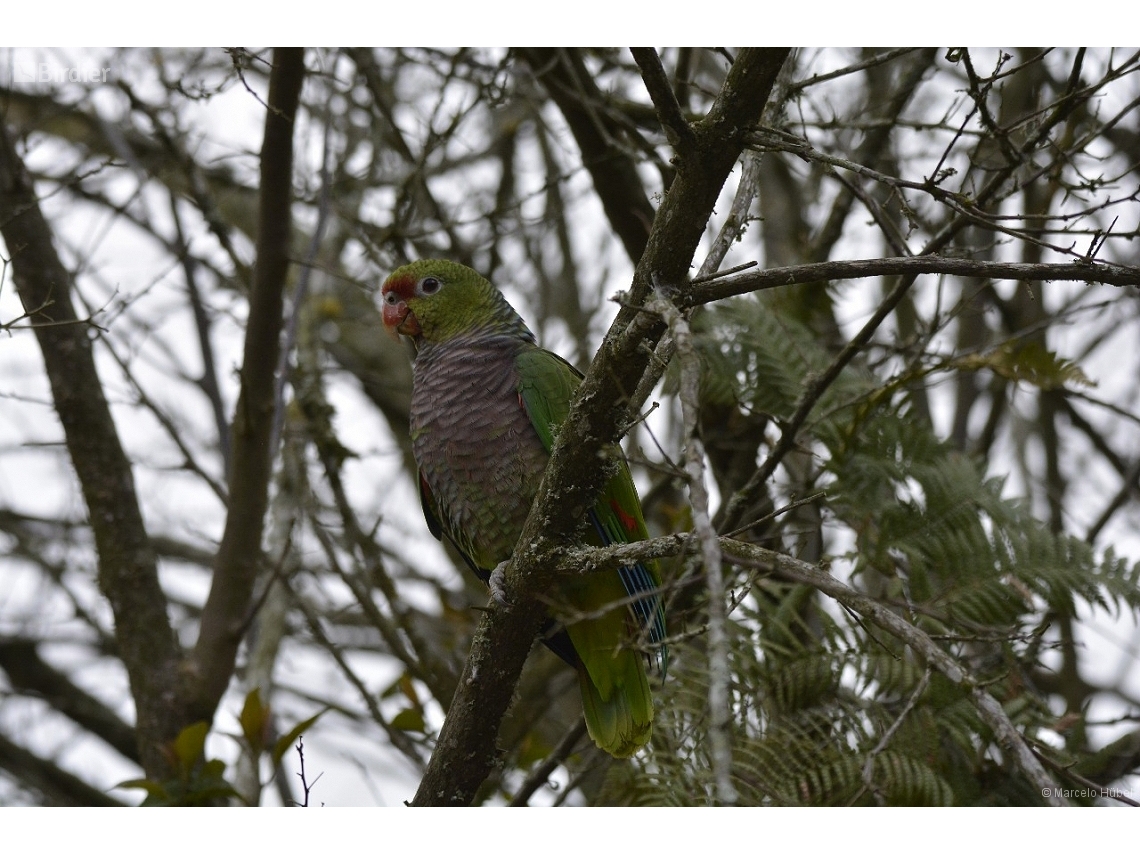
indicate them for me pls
(498, 584)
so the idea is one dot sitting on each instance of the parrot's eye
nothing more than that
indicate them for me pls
(430, 285)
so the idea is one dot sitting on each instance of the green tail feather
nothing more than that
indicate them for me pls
(620, 720)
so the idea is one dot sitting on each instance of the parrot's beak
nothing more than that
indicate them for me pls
(399, 318)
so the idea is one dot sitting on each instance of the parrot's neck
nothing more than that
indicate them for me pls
(490, 334)
(475, 345)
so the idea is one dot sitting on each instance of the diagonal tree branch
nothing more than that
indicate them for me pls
(28, 672)
(614, 173)
(910, 268)
(53, 783)
(677, 130)
(465, 751)
(128, 574)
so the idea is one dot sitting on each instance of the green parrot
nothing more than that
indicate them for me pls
(486, 402)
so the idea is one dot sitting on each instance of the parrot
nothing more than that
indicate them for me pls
(487, 401)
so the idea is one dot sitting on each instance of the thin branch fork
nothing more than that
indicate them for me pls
(678, 131)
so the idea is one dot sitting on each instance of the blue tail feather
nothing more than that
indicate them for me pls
(639, 585)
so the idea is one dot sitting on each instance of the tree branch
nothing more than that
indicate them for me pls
(830, 271)
(614, 173)
(239, 556)
(802, 573)
(990, 711)
(677, 130)
(28, 672)
(465, 751)
(719, 670)
(53, 783)
(128, 574)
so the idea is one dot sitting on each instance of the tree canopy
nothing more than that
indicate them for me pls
(865, 322)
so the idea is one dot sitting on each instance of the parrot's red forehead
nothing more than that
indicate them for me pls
(403, 284)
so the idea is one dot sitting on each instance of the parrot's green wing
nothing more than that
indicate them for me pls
(615, 691)
(434, 519)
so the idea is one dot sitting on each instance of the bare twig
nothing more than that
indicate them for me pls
(543, 770)
(869, 763)
(306, 787)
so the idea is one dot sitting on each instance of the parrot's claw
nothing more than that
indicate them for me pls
(498, 584)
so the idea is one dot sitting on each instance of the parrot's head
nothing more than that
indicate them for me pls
(436, 301)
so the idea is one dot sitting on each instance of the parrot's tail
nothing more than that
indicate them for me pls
(618, 707)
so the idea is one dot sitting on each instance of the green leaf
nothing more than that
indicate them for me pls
(1027, 362)
(409, 719)
(190, 743)
(254, 720)
(153, 788)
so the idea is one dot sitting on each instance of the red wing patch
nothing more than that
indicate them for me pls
(628, 521)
